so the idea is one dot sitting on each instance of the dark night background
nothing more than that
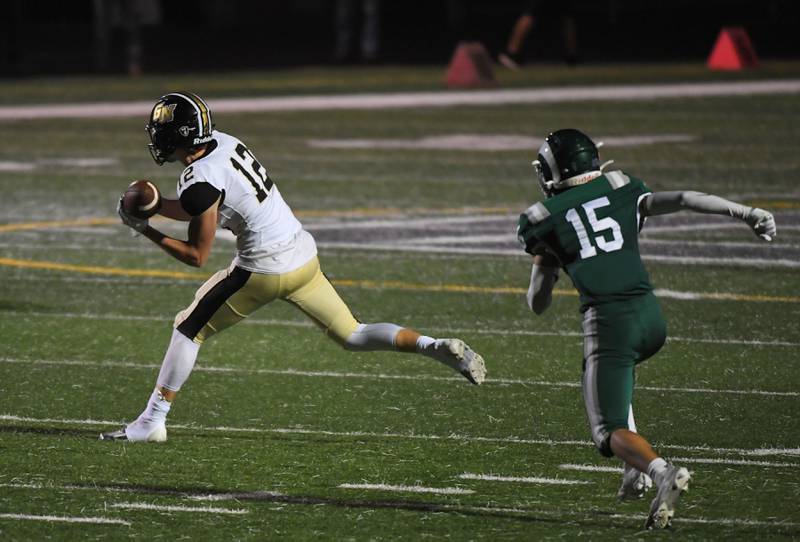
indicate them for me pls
(58, 37)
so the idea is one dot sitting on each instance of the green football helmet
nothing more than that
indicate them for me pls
(567, 158)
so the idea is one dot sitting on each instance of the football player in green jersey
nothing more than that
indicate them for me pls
(588, 225)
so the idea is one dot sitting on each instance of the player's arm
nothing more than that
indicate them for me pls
(199, 202)
(196, 249)
(544, 274)
(661, 203)
(172, 208)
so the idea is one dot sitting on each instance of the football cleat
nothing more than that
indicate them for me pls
(634, 484)
(673, 482)
(139, 431)
(458, 356)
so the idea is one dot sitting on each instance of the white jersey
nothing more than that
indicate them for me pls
(269, 238)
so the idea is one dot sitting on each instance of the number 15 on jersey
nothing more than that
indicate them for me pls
(598, 225)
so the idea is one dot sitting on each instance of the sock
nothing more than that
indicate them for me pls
(178, 361)
(424, 342)
(656, 468)
(157, 408)
(373, 337)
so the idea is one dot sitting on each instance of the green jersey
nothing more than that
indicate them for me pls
(593, 230)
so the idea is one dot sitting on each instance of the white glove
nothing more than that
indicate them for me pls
(137, 224)
(762, 222)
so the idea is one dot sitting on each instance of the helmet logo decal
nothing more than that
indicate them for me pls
(163, 113)
(184, 131)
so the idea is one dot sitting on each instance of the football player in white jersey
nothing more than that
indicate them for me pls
(223, 183)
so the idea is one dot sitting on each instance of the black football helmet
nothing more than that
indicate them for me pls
(567, 158)
(178, 120)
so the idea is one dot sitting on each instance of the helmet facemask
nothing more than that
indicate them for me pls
(159, 149)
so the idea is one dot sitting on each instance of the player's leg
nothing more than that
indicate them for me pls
(311, 292)
(607, 391)
(224, 299)
(635, 483)
(511, 57)
(616, 338)
(608, 377)
(670, 479)
(452, 352)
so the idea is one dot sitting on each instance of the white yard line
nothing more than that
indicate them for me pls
(235, 496)
(734, 462)
(409, 489)
(485, 142)
(522, 479)
(590, 468)
(417, 99)
(444, 507)
(410, 223)
(683, 295)
(698, 460)
(65, 519)
(69, 487)
(382, 376)
(8, 165)
(132, 490)
(465, 331)
(703, 226)
(740, 261)
(175, 508)
(509, 239)
(427, 241)
(758, 452)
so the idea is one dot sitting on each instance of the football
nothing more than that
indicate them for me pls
(141, 199)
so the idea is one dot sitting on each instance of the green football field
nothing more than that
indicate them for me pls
(280, 433)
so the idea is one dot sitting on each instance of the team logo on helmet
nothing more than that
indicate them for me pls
(184, 131)
(163, 113)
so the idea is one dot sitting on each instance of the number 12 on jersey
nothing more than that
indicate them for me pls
(598, 225)
(261, 182)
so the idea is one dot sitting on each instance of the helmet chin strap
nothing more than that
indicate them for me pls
(582, 178)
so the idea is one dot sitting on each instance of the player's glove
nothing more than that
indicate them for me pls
(137, 224)
(762, 222)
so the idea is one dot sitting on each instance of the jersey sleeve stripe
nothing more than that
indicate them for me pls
(640, 220)
(537, 212)
(617, 179)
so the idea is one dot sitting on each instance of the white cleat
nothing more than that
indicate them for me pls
(458, 356)
(139, 431)
(634, 484)
(674, 482)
